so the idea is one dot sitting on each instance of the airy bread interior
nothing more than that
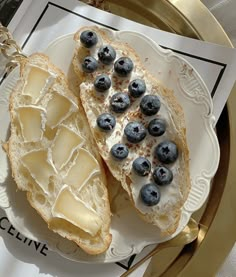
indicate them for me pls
(166, 213)
(54, 158)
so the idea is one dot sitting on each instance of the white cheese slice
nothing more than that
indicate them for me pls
(36, 81)
(31, 122)
(66, 141)
(58, 109)
(72, 209)
(84, 166)
(39, 168)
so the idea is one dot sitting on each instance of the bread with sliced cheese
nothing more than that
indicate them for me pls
(54, 159)
(166, 214)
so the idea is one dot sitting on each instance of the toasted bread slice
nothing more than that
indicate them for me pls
(54, 158)
(165, 214)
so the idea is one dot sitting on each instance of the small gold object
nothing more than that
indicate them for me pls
(9, 49)
(188, 235)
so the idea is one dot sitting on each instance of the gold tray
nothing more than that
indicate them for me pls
(218, 222)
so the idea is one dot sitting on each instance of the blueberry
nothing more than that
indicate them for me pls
(166, 152)
(120, 102)
(106, 54)
(157, 127)
(123, 66)
(102, 83)
(88, 38)
(150, 194)
(137, 87)
(150, 104)
(135, 132)
(141, 166)
(162, 175)
(106, 121)
(120, 151)
(89, 64)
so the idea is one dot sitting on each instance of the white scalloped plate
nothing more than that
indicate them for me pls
(130, 233)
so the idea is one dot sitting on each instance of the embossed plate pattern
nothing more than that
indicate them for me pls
(191, 92)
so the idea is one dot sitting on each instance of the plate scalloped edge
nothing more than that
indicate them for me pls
(189, 88)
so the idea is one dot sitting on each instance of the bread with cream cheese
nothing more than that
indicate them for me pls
(166, 214)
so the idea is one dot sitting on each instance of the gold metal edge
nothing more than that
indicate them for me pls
(220, 237)
(153, 13)
(202, 20)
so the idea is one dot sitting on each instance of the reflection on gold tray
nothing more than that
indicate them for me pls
(217, 220)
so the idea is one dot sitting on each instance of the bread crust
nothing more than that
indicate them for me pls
(16, 148)
(168, 217)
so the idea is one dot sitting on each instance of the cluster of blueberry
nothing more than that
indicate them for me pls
(135, 132)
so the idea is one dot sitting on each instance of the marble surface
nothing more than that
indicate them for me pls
(224, 11)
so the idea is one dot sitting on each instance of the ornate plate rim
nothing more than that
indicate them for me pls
(208, 118)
